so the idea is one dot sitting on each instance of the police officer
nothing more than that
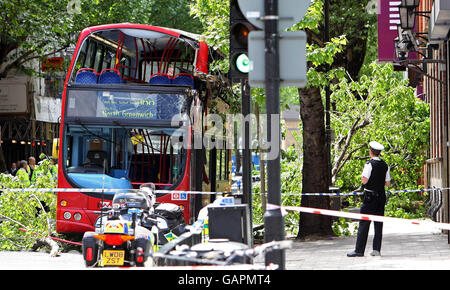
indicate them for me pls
(375, 177)
(31, 166)
(22, 173)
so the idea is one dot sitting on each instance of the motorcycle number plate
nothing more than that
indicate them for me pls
(113, 258)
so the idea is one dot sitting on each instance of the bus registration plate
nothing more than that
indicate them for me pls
(113, 258)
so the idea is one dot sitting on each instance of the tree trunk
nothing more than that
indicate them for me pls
(315, 164)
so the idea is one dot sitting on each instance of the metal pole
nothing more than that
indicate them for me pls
(273, 219)
(327, 92)
(247, 158)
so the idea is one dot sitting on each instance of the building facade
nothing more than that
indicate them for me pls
(433, 26)
(30, 111)
(422, 51)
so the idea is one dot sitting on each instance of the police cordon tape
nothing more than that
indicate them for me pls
(360, 216)
(104, 190)
(54, 238)
(362, 192)
(109, 190)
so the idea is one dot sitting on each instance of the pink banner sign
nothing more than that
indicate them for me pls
(388, 19)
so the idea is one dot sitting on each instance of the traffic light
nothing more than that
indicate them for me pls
(239, 30)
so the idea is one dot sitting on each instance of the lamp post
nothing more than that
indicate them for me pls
(407, 42)
(407, 22)
(408, 14)
(407, 17)
(410, 3)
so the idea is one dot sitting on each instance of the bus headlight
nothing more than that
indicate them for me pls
(77, 216)
(67, 215)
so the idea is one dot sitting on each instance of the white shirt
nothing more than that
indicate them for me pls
(367, 171)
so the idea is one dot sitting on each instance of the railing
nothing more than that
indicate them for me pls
(434, 203)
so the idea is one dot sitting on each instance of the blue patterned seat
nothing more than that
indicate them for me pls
(160, 79)
(86, 76)
(183, 79)
(109, 76)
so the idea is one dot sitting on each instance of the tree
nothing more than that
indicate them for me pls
(173, 14)
(31, 29)
(315, 163)
(27, 216)
(315, 178)
(352, 19)
(349, 19)
(214, 16)
(379, 106)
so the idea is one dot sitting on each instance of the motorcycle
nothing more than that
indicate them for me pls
(127, 234)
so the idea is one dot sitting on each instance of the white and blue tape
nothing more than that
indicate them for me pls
(184, 192)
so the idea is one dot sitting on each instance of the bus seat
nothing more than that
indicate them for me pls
(183, 79)
(109, 76)
(160, 79)
(118, 173)
(97, 157)
(86, 76)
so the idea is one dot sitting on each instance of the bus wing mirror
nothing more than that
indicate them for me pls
(55, 148)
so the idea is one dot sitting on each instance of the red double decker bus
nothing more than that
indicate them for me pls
(125, 84)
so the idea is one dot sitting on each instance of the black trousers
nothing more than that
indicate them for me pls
(373, 203)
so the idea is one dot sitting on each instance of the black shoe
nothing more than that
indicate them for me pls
(355, 254)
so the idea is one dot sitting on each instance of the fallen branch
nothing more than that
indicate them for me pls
(47, 240)
(54, 248)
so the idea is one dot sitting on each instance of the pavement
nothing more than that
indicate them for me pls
(40, 261)
(404, 247)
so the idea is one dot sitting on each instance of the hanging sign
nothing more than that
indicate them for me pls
(52, 64)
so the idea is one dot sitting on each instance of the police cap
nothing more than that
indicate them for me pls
(376, 146)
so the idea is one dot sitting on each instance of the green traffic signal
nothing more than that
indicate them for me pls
(240, 29)
(243, 63)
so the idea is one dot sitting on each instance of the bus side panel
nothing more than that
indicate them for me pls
(71, 202)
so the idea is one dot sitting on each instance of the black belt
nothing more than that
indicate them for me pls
(369, 192)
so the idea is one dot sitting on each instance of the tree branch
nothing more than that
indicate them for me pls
(345, 161)
(340, 161)
(314, 37)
